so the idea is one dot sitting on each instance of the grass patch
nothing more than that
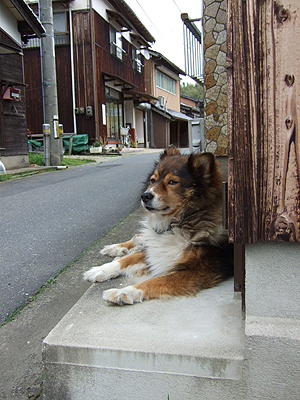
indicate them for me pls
(5, 177)
(38, 159)
(76, 161)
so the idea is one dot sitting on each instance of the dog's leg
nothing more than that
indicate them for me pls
(128, 265)
(179, 283)
(121, 249)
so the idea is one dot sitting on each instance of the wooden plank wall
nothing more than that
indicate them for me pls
(105, 62)
(89, 84)
(263, 60)
(83, 71)
(34, 94)
(12, 119)
(33, 90)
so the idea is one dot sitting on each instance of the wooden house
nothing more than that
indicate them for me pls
(99, 49)
(191, 106)
(167, 124)
(17, 24)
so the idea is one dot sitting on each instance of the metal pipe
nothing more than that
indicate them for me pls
(96, 110)
(72, 70)
(84, 64)
(46, 142)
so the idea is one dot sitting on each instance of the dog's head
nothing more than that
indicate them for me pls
(180, 180)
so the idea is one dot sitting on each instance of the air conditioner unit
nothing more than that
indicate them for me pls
(162, 101)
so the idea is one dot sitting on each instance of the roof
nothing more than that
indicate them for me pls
(125, 16)
(123, 8)
(28, 23)
(195, 99)
(179, 115)
(166, 61)
(170, 114)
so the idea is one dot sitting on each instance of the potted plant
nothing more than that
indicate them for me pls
(96, 148)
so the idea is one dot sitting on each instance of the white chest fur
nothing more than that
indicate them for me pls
(162, 249)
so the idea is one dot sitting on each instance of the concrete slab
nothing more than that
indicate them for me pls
(202, 336)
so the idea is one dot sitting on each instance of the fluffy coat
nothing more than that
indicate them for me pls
(182, 244)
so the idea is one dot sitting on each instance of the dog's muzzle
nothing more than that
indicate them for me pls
(147, 197)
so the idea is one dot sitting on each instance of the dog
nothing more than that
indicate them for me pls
(182, 244)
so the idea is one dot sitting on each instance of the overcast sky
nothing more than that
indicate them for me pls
(162, 18)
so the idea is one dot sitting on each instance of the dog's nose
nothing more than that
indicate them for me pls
(146, 197)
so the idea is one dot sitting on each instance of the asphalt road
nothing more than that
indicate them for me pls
(49, 220)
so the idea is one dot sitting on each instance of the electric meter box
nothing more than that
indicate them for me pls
(89, 111)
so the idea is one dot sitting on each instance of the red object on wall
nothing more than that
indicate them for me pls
(11, 94)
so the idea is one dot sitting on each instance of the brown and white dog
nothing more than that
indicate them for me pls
(182, 245)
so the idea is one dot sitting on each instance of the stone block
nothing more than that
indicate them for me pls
(209, 40)
(222, 100)
(222, 141)
(210, 108)
(213, 133)
(209, 81)
(221, 17)
(209, 25)
(212, 9)
(212, 51)
(210, 67)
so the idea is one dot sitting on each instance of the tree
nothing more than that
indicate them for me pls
(194, 91)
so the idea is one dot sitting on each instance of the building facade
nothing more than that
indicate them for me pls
(99, 67)
(165, 122)
(17, 23)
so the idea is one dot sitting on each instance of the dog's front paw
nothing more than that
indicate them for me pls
(103, 273)
(114, 250)
(128, 295)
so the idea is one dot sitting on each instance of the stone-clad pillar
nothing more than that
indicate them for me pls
(215, 77)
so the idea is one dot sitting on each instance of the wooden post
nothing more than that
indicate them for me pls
(263, 60)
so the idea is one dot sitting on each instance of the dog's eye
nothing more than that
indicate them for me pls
(152, 181)
(172, 182)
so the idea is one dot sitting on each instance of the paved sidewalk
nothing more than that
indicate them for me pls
(21, 340)
(21, 368)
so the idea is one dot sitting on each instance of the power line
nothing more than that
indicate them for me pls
(177, 6)
(149, 18)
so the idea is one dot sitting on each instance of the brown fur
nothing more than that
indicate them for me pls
(185, 196)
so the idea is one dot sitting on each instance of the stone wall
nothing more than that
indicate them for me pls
(215, 76)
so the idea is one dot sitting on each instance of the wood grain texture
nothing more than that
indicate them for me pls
(263, 121)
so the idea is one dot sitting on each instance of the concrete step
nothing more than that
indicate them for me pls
(162, 347)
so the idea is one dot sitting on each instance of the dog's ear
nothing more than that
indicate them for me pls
(169, 152)
(202, 165)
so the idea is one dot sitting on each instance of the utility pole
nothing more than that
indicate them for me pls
(49, 80)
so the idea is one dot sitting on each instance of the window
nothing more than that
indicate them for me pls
(60, 28)
(136, 59)
(116, 47)
(164, 82)
(61, 34)
(114, 112)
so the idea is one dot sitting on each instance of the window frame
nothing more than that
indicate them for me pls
(61, 38)
(114, 120)
(116, 42)
(136, 59)
(163, 81)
